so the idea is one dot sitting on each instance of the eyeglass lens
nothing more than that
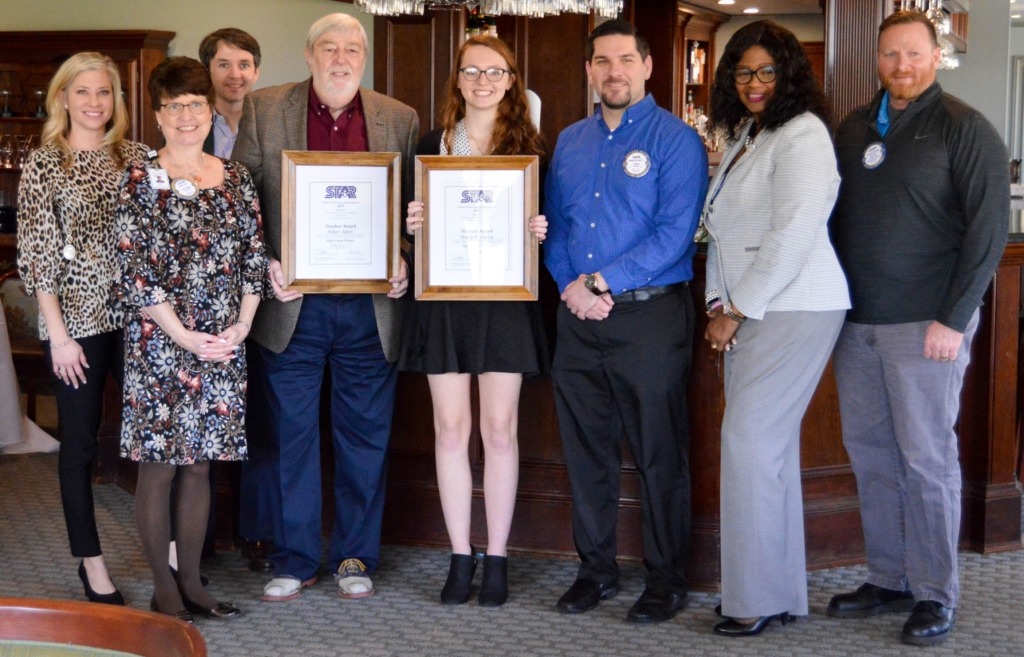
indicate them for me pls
(765, 74)
(472, 73)
(196, 107)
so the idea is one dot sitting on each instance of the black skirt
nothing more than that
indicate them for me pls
(473, 337)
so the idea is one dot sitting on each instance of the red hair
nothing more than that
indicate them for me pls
(514, 132)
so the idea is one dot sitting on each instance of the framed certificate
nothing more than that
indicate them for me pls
(340, 220)
(474, 244)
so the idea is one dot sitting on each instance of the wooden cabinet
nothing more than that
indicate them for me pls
(29, 59)
(697, 51)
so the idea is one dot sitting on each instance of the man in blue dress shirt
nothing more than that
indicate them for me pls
(624, 194)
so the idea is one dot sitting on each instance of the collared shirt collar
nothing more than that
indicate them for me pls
(635, 112)
(323, 110)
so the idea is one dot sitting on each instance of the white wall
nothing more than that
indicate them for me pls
(983, 78)
(280, 27)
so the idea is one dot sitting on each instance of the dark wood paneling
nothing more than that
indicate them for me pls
(850, 38)
(412, 57)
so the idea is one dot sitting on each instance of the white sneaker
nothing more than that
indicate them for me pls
(353, 581)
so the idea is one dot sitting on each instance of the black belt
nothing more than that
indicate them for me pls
(648, 293)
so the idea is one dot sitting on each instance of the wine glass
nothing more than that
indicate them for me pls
(7, 151)
(26, 144)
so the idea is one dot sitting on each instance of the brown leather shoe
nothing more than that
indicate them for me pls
(258, 554)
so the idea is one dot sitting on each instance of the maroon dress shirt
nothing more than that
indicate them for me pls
(325, 133)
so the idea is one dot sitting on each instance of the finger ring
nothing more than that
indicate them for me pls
(943, 357)
(714, 345)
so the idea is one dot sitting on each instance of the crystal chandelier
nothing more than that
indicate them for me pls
(531, 8)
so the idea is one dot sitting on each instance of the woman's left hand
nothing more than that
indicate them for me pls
(721, 330)
(539, 227)
(235, 334)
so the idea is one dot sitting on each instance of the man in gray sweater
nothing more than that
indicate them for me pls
(920, 225)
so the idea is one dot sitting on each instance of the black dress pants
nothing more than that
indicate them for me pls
(79, 413)
(626, 376)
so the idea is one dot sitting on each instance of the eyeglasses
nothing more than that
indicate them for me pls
(765, 74)
(196, 107)
(493, 74)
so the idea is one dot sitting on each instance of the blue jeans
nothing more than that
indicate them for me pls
(340, 331)
(898, 412)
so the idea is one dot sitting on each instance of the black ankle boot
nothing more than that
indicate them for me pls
(460, 576)
(494, 590)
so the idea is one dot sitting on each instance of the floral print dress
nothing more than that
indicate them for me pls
(200, 255)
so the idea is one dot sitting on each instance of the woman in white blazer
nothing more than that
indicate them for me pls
(776, 299)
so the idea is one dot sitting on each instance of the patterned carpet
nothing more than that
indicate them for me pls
(405, 618)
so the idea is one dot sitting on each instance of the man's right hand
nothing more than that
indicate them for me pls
(585, 304)
(277, 282)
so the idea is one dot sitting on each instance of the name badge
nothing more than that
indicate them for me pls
(185, 188)
(636, 164)
(874, 155)
(159, 179)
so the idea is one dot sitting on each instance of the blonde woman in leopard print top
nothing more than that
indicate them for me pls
(66, 257)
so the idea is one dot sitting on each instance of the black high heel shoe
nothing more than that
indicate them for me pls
(732, 628)
(460, 576)
(494, 590)
(114, 598)
(184, 615)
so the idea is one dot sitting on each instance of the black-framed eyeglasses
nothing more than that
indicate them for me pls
(494, 74)
(196, 107)
(765, 74)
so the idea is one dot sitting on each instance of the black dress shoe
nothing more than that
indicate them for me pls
(114, 598)
(869, 600)
(258, 554)
(929, 623)
(733, 628)
(584, 595)
(654, 606)
(183, 615)
(219, 611)
(460, 576)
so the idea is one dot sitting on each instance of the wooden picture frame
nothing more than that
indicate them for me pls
(475, 244)
(340, 221)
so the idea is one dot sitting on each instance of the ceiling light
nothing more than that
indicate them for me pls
(751, 10)
(726, 2)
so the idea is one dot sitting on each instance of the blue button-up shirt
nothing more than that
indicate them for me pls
(626, 202)
(223, 138)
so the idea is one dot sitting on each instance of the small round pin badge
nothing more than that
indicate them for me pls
(636, 164)
(874, 155)
(184, 188)
(68, 252)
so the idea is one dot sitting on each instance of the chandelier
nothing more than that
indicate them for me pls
(531, 8)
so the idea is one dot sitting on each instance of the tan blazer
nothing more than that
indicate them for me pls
(273, 120)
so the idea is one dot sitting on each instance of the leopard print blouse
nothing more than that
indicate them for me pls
(58, 208)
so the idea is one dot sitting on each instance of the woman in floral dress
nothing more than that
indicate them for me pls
(193, 265)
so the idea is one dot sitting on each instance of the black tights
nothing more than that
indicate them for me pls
(192, 506)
